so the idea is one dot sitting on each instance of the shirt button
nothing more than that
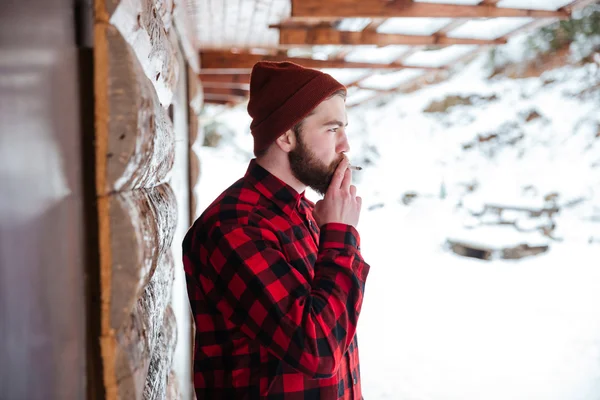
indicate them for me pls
(355, 381)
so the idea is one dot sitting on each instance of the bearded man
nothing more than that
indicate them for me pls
(275, 282)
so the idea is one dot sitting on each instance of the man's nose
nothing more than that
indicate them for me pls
(343, 145)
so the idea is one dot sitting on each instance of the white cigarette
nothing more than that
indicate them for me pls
(355, 168)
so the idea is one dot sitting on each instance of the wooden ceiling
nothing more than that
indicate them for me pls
(233, 35)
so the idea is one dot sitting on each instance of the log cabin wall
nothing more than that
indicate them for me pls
(142, 186)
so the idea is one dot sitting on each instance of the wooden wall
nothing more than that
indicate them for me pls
(138, 71)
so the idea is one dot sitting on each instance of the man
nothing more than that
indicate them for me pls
(275, 282)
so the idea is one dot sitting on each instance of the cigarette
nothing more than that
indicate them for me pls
(355, 168)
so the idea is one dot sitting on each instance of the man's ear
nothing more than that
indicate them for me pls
(287, 141)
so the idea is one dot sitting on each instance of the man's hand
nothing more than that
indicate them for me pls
(340, 203)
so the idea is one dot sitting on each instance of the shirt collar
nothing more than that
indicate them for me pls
(273, 188)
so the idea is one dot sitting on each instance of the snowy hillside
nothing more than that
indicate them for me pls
(515, 162)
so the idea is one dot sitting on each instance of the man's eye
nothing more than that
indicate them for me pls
(332, 129)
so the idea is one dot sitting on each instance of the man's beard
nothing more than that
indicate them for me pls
(308, 169)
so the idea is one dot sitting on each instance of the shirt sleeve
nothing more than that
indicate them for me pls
(309, 326)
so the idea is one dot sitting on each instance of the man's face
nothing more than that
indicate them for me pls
(320, 144)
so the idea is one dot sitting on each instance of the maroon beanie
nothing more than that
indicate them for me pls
(281, 95)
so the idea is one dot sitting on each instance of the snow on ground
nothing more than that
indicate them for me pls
(438, 326)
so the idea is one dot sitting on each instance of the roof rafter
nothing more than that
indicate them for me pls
(328, 36)
(311, 9)
(242, 63)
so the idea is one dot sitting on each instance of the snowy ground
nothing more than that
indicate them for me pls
(437, 326)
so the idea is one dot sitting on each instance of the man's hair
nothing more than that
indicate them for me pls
(297, 129)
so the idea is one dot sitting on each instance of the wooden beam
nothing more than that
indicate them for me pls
(223, 61)
(243, 79)
(335, 9)
(225, 85)
(225, 91)
(374, 24)
(221, 102)
(323, 36)
(223, 98)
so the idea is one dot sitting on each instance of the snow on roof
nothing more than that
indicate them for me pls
(346, 75)
(438, 58)
(353, 24)
(413, 26)
(374, 54)
(356, 95)
(488, 28)
(534, 4)
(385, 81)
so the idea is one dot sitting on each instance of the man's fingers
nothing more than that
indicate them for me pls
(338, 176)
(345, 187)
(353, 190)
(359, 201)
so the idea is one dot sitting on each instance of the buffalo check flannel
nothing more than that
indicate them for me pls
(275, 299)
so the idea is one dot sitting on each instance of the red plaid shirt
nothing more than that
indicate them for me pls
(275, 300)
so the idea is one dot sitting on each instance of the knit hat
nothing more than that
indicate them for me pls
(281, 95)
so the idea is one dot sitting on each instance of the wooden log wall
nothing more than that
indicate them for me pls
(195, 93)
(137, 65)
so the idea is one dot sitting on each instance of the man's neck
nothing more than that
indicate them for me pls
(281, 169)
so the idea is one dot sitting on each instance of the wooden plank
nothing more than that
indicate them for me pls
(225, 91)
(324, 36)
(224, 102)
(142, 27)
(213, 61)
(241, 79)
(223, 98)
(374, 24)
(311, 9)
(137, 339)
(162, 358)
(134, 135)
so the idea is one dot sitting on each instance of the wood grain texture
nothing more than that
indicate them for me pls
(382, 8)
(227, 62)
(135, 145)
(137, 339)
(142, 224)
(164, 9)
(162, 358)
(330, 36)
(141, 24)
(173, 388)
